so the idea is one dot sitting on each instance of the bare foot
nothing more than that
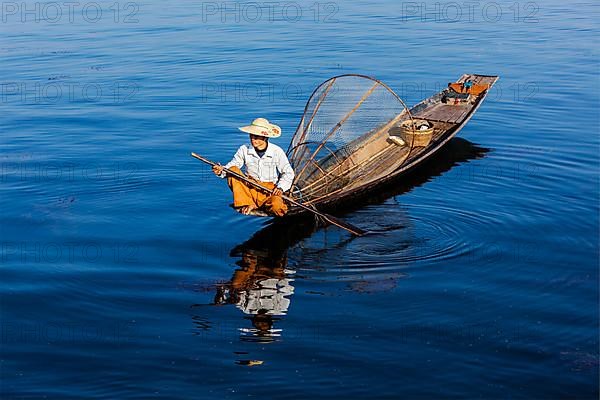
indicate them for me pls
(247, 210)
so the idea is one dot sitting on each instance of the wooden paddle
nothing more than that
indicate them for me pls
(329, 218)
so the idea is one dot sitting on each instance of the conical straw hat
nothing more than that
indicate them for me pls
(262, 127)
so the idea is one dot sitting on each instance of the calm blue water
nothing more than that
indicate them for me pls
(125, 275)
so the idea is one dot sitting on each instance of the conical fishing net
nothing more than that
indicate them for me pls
(343, 139)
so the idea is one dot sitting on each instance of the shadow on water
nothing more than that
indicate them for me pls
(457, 151)
(261, 286)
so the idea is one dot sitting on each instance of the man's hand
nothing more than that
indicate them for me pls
(217, 169)
(277, 191)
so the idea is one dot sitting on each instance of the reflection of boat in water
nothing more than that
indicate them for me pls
(262, 285)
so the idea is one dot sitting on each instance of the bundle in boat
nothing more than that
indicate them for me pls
(459, 93)
(414, 132)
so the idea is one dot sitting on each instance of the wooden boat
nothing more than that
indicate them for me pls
(356, 134)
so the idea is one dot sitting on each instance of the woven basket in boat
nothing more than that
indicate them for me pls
(412, 134)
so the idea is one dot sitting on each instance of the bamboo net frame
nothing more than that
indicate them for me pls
(341, 140)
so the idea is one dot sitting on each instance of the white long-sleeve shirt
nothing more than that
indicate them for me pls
(273, 166)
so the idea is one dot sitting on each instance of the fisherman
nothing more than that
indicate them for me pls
(265, 163)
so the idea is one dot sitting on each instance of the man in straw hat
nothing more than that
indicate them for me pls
(267, 164)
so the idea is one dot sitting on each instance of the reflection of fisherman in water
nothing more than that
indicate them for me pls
(261, 288)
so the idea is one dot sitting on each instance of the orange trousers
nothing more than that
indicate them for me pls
(246, 195)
